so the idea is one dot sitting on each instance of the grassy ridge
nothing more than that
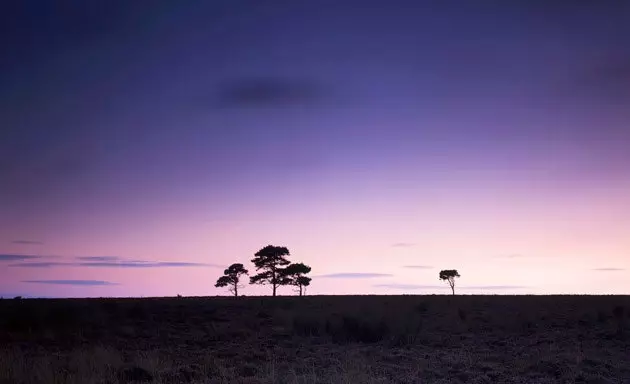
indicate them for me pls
(317, 339)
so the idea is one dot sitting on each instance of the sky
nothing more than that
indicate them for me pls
(144, 148)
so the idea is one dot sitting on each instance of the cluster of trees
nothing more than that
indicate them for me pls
(274, 269)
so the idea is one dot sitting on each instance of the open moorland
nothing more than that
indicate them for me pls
(317, 339)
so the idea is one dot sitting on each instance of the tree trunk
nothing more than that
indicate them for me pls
(274, 289)
(300, 290)
(235, 290)
(453, 289)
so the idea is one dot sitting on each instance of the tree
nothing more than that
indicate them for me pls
(449, 275)
(294, 274)
(231, 278)
(270, 261)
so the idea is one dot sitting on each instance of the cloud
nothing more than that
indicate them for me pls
(5, 257)
(403, 245)
(609, 269)
(98, 258)
(510, 256)
(141, 264)
(43, 264)
(354, 275)
(408, 286)
(110, 262)
(27, 242)
(418, 266)
(266, 91)
(435, 286)
(71, 282)
(608, 77)
(499, 287)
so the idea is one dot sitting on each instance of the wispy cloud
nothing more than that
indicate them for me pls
(142, 264)
(266, 92)
(418, 266)
(42, 264)
(510, 256)
(98, 258)
(407, 286)
(10, 257)
(435, 286)
(354, 275)
(403, 245)
(497, 287)
(609, 269)
(110, 262)
(27, 242)
(71, 282)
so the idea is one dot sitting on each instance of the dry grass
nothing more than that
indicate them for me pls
(319, 339)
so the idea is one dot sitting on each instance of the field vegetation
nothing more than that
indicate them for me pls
(317, 339)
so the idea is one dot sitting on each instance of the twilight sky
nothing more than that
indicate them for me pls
(144, 149)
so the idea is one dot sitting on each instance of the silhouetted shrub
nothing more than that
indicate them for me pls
(17, 298)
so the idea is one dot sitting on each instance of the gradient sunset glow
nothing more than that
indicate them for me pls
(145, 150)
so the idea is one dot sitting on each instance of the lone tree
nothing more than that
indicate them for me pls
(449, 275)
(270, 260)
(294, 274)
(231, 278)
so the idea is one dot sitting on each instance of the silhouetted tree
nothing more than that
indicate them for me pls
(449, 275)
(231, 278)
(294, 274)
(270, 261)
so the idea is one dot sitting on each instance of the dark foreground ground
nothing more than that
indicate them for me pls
(319, 339)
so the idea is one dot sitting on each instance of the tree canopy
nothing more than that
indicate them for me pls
(270, 260)
(294, 274)
(449, 276)
(231, 278)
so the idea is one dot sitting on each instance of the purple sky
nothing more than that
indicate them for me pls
(145, 149)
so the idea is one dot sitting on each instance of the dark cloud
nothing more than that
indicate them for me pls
(6, 257)
(609, 269)
(71, 282)
(266, 92)
(403, 245)
(27, 242)
(418, 266)
(354, 275)
(608, 78)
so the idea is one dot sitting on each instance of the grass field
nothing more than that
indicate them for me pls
(317, 339)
